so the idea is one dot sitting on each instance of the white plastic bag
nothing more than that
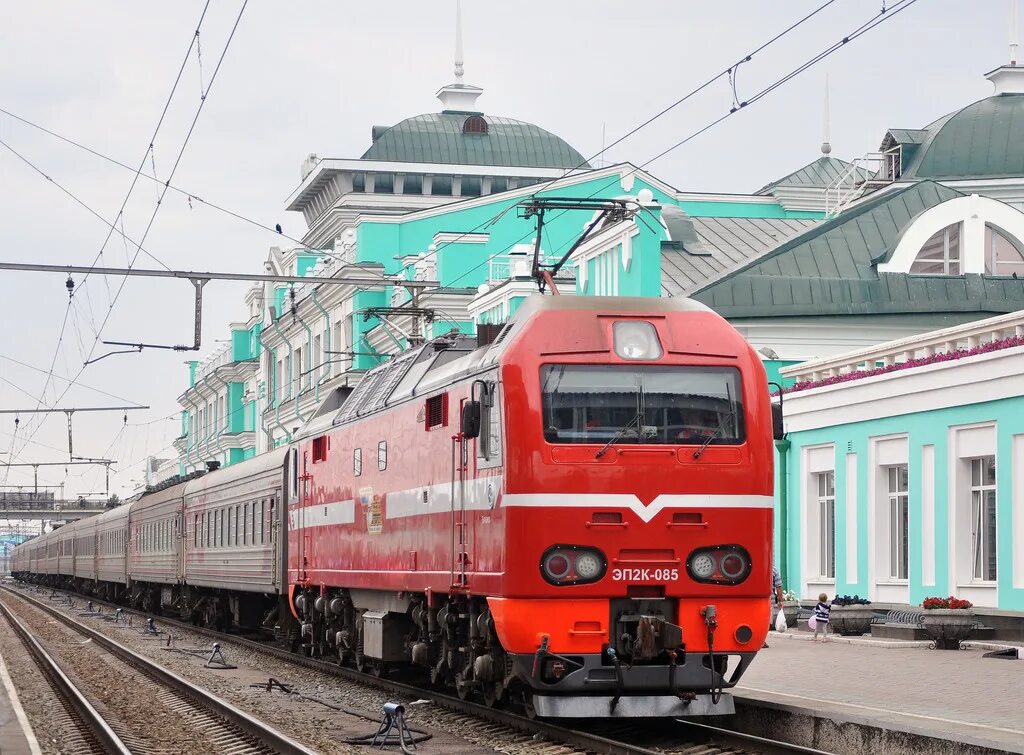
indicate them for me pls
(780, 621)
(812, 623)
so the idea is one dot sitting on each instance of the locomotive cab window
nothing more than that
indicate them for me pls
(642, 404)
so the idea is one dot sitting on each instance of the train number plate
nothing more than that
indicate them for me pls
(645, 575)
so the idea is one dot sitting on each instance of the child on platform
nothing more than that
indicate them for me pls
(821, 613)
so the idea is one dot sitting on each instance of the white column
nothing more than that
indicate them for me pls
(1017, 514)
(851, 517)
(928, 515)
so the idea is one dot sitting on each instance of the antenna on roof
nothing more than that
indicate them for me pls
(458, 42)
(1014, 27)
(826, 147)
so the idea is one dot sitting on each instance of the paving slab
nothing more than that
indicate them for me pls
(957, 695)
(16, 736)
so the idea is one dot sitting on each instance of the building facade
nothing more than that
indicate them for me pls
(902, 474)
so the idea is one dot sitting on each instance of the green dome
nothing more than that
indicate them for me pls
(985, 139)
(456, 138)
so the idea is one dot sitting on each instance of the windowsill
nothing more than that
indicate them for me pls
(893, 582)
(821, 581)
(984, 585)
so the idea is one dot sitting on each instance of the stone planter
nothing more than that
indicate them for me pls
(851, 620)
(791, 608)
(947, 627)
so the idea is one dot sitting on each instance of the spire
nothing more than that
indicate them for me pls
(459, 97)
(458, 42)
(826, 147)
(1009, 79)
(1014, 29)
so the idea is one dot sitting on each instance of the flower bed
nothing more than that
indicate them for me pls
(945, 356)
(948, 621)
(851, 616)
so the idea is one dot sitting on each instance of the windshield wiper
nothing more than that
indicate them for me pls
(622, 431)
(721, 425)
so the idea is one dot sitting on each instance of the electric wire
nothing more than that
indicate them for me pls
(876, 20)
(156, 209)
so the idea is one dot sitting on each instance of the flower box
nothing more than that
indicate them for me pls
(791, 608)
(851, 620)
(948, 627)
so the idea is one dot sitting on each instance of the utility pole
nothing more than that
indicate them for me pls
(36, 464)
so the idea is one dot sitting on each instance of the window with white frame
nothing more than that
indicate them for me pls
(899, 520)
(1003, 255)
(983, 518)
(940, 254)
(826, 485)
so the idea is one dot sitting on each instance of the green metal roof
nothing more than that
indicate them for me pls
(438, 138)
(983, 139)
(908, 135)
(830, 269)
(819, 174)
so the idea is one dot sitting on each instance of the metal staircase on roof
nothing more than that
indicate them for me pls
(864, 174)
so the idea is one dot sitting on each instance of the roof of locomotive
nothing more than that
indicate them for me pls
(437, 363)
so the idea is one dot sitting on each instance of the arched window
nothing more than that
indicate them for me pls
(475, 124)
(940, 254)
(1003, 253)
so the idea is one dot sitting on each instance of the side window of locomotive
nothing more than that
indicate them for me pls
(488, 445)
(382, 455)
(357, 461)
(293, 475)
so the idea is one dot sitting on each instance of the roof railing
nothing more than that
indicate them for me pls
(863, 173)
(960, 337)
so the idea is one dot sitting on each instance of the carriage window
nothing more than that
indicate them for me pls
(245, 524)
(195, 531)
(641, 404)
(263, 523)
(270, 518)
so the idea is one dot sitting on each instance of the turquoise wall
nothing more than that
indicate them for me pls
(921, 428)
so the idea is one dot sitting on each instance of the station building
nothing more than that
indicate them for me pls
(832, 271)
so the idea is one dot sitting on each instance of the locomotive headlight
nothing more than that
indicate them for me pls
(588, 566)
(564, 565)
(636, 339)
(703, 566)
(719, 564)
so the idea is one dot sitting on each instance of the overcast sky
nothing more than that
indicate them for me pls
(314, 77)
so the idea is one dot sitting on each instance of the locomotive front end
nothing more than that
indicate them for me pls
(638, 509)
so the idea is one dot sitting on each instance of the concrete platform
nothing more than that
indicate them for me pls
(864, 695)
(16, 736)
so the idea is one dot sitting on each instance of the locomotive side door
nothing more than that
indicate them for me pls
(460, 534)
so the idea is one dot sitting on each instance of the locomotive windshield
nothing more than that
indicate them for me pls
(642, 404)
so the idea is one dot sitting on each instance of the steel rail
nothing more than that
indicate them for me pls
(261, 731)
(96, 724)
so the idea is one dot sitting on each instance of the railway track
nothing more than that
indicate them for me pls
(117, 694)
(618, 737)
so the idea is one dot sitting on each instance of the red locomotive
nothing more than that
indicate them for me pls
(582, 510)
(576, 516)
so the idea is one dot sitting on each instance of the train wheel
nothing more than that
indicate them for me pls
(528, 707)
(378, 668)
(362, 662)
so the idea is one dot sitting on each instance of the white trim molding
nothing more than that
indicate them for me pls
(974, 211)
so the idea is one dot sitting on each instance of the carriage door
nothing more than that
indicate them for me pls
(294, 504)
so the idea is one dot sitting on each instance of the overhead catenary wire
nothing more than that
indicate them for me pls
(170, 176)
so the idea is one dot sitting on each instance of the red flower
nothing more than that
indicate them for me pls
(950, 602)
